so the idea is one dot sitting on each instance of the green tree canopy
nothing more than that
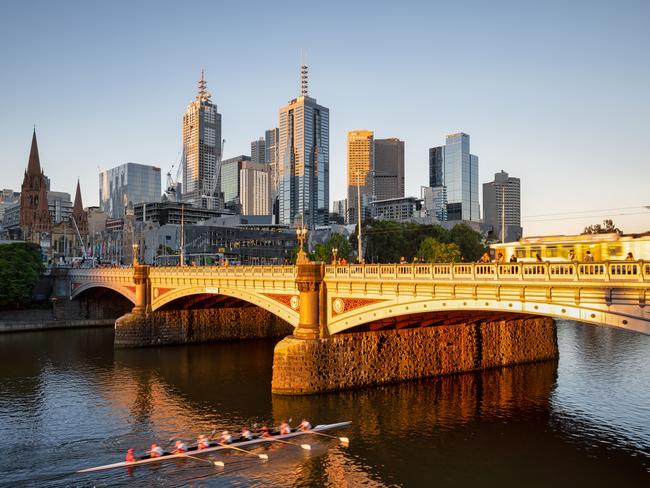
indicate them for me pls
(20, 267)
(433, 251)
(323, 252)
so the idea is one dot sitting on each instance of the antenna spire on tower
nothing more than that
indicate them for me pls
(304, 80)
(204, 94)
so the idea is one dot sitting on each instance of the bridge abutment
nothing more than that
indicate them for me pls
(370, 358)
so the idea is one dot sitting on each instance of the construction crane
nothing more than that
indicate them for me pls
(81, 241)
(172, 183)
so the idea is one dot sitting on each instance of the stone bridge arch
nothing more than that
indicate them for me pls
(127, 292)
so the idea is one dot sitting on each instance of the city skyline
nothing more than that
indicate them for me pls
(556, 122)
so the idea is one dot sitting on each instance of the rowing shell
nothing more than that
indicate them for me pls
(258, 440)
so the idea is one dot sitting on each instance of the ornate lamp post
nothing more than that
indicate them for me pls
(335, 251)
(135, 254)
(301, 234)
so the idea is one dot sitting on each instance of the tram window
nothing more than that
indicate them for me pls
(551, 251)
(520, 252)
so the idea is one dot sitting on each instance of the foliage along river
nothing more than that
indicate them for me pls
(69, 401)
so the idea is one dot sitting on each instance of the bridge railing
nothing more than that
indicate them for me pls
(547, 271)
(94, 274)
(225, 271)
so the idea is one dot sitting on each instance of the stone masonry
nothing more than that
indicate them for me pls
(368, 358)
(201, 325)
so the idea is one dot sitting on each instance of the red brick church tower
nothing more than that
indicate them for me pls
(79, 214)
(35, 217)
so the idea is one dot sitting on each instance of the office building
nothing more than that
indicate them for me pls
(202, 149)
(258, 151)
(303, 160)
(128, 184)
(388, 173)
(271, 157)
(398, 209)
(454, 167)
(254, 189)
(434, 202)
(230, 174)
(502, 207)
(360, 163)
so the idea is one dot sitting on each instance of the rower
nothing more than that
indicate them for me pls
(284, 428)
(304, 425)
(225, 438)
(202, 442)
(130, 456)
(246, 434)
(265, 433)
(180, 448)
(156, 451)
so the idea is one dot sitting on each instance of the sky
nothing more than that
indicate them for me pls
(555, 93)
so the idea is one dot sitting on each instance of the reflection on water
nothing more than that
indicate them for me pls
(74, 402)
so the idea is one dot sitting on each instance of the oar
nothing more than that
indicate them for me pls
(306, 447)
(344, 440)
(261, 456)
(216, 463)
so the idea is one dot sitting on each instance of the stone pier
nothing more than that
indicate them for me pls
(371, 358)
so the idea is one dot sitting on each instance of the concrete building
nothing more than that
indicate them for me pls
(388, 172)
(303, 160)
(454, 167)
(361, 158)
(202, 150)
(339, 211)
(128, 183)
(255, 189)
(502, 207)
(258, 151)
(397, 209)
(7, 198)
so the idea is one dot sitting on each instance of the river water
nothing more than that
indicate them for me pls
(68, 401)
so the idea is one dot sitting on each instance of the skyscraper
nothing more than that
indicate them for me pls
(360, 163)
(388, 173)
(271, 157)
(230, 175)
(502, 206)
(201, 150)
(303, 160)
(128, 183)
(254, 189)
(258, 151)
(454, 167)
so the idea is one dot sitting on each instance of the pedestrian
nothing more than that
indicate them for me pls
(513, 259)
(402, 260)
(485, 258)
(500, 258)
(629, 257)
(588, 257)
(572, 255)
(538, 257)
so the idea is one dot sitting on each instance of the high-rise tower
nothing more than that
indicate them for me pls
(201, 150)
(360, 165)
(303, 160)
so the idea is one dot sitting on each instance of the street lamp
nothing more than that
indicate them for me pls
(301, 234)
(335, 250)
(135, 254)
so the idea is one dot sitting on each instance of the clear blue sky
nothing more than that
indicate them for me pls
(556, 93)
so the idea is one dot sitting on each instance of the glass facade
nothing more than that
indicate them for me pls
(230, 174)
(454, 167)
(303, 169)
(361, 158)
(128, 183)
(388, 172)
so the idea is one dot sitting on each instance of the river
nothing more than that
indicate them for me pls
(68, 401)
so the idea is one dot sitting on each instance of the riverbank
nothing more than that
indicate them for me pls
(30, 326)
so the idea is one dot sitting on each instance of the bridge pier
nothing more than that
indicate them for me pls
(356, 360)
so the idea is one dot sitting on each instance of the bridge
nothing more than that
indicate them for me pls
(361, 325)
(375, 297)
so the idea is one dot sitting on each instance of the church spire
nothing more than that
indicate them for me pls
(78, 205)
(34, 164)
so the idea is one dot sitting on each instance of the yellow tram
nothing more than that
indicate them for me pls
(603, 247)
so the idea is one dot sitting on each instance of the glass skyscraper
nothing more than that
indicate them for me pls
(453, 167)
(201, 150)
(127, 183)
(303, 161)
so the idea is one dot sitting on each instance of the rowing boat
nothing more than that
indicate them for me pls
(193, 451)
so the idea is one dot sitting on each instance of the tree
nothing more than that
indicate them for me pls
(323, 252)
(20, 267)
(433, 251)
(608, 227)
(469, 241)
